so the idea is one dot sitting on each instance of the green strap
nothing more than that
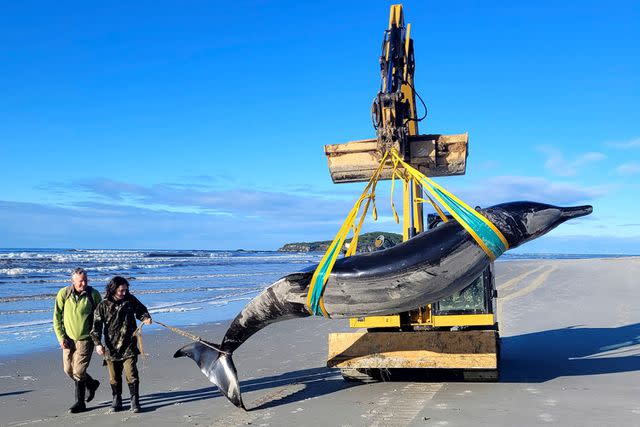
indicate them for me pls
(470, 218)
(317, 285)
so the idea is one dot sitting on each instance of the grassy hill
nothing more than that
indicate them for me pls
(366, 243)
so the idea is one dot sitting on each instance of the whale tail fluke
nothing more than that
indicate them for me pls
(216, 366)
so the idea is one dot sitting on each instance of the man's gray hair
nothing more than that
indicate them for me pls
(79, 271)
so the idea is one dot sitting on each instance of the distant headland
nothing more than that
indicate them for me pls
(366, 243)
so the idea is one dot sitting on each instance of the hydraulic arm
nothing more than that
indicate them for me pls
(393, 111)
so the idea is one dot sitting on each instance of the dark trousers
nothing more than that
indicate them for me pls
(130, 370)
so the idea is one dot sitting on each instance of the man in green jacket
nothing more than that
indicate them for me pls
(72, 322)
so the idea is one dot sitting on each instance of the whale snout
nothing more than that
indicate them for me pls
(521, 222)
(575, 212)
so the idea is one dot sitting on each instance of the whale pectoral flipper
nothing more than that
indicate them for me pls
(216, 366)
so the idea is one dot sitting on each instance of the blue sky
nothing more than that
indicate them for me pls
(201, 125)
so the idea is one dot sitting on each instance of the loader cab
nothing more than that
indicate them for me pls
(476, 299)
(471, 308)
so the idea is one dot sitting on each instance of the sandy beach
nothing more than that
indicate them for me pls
(570, 357)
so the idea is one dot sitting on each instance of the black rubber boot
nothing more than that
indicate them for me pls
(116, 391)
(92, 386)
(79, 406)
(134, 389)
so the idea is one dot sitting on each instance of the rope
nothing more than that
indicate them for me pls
(190, 336)
(138, 334)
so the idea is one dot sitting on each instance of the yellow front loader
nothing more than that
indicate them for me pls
(457, 333)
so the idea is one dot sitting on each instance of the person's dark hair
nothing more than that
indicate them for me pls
(114, 284)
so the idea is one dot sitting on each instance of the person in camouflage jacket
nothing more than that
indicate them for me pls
(115, 318)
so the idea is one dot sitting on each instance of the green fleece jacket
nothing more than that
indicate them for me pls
(73, 313)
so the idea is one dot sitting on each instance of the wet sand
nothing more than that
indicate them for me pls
(570, 357)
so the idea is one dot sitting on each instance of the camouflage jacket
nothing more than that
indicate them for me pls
(117, 321)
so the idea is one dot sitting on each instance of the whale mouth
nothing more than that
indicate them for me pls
(576, 212)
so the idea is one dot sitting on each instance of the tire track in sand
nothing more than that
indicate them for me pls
(514, 281)
(400, 409)
(526, 290)
(256, 413)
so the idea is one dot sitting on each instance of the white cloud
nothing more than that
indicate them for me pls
(632, 143)
(507, 188)
(560, 165)
(39, 225)
(119, 226)
(122, 214)
(306, 208)
(631, 168)
(303, 205)
(589, 157)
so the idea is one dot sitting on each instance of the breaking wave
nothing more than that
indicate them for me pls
(181, 287)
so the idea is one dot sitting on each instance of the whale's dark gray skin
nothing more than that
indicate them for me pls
(422, 270)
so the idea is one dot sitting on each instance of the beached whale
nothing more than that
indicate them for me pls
(422, 270)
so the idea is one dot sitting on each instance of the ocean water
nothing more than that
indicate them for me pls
(178, 287)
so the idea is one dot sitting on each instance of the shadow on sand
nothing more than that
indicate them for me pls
(14, 393)
(311, 382)
(545, 355)
(528, 358)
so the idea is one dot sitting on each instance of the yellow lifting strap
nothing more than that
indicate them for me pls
(396, 162)
(321, 275)
(480, 228)
(483, 231)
